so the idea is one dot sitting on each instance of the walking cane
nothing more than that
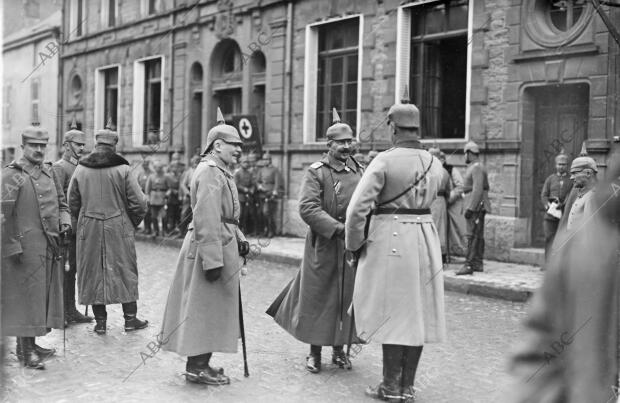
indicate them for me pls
(246, 372)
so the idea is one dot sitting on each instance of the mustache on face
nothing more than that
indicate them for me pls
(345, 150)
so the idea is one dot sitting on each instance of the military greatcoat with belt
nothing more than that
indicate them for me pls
(203, 317)
(34, 207)
(398, 297)
(312, 307)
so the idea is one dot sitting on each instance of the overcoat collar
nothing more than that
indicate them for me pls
(31, 169)
(213, 160)
(103, 159)
(339, 166)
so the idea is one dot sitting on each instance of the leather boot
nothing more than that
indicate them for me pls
(133, 323)
(340, 358)
(42, 352)
(198, 370)
(313, 360)
(101, 325)
(390, 389)
(411, 358)
(28, 356)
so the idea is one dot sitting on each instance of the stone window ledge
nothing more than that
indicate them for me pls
(575, 50)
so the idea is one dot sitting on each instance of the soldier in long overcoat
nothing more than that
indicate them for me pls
(34, 215)
(456, 220)
(202, 311)
(439, 207)
(106, 200)
(73, 143)
(313, 306)
(398, 296)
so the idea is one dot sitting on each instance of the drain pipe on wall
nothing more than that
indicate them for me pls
(286, 106)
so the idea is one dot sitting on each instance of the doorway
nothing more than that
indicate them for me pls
(560, 123)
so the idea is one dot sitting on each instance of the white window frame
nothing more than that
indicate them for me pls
(74, 19)
(37, 82)
(403, 59)
(105, 7)
(100, 96)
(138, 99)
(311, 61)
(144, 6)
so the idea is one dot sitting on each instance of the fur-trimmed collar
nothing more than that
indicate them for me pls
(103, 159)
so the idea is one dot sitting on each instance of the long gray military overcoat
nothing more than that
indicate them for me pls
(399, 296)
(313, 307)
(200, 316)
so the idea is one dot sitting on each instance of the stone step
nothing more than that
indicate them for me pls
(531, 256)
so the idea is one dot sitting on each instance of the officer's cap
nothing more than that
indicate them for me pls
(222, 131)
(583, 161)
(405, 114)
(106, 135)
(471, 147)
(338, 130)
(35, 134)
(74, 135)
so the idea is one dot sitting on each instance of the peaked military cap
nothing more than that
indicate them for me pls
(472, 147)
(74, 135)
(338, 130)
(106, 135)
(222, 131)
(35, 134)
(405, 114)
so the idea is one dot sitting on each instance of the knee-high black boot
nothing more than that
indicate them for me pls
(390, 389)
(411, 358)
(27, 354)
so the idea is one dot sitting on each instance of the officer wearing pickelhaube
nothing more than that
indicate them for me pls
(73, 143)
(313, 307)
(202, 311)
(398, 299)
(35, 216)
(477, 204)
(556, 188)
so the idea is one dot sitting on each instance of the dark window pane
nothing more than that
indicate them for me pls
(435, 21)
(417, 21)
(322, 70)
(338, 35)
(352, 68)
(111, 13)
(336, 70)
(351, 96)
(457, 18)
(335, 97)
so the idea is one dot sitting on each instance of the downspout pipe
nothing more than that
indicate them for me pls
(287, 79)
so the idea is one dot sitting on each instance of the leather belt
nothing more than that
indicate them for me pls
(395, 210)
(230, 221)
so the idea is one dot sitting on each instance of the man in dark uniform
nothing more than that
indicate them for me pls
(477, 204)
(63, 168)
(244, 180)
(553, 195)
(173, 200)
(35, 216)
(269, 187)
(142, 174)
(313, 307)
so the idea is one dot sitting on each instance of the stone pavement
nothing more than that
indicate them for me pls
(509, 281)
(469, 367)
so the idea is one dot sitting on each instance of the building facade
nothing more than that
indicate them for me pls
(30, 84)
(522, 78)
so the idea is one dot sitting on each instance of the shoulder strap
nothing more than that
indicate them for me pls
(409, 188)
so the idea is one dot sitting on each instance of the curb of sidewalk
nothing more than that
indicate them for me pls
(460, 285)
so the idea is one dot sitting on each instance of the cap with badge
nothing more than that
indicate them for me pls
(405, 114)
(222, 131)
(583, 161)
(74, 135)
(35, 134)
(338, 130)
(106, 135)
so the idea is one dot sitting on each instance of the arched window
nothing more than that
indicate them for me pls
(227, 77)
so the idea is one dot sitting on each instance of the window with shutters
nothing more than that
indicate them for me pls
(148, 101)
(107, 96)
(77, 19)
(332, 79)
(438, 67)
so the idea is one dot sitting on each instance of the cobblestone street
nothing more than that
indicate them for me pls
(470, 367)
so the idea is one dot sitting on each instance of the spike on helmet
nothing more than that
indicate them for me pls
(107, 135)
(338, 130)
(561, 157)
(74, 135)
(222, 131)
(405, 114)
(583, 161)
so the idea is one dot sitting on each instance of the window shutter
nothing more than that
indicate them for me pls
(403, 51)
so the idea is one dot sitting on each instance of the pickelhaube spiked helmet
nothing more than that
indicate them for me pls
(222, 131)
(106, 135)
(74, 135)
(583, 161)
(338, 130)
(405, 114)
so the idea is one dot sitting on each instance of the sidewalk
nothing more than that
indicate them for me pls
(509, 281)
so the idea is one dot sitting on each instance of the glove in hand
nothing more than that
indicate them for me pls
(213, 274)
(244, 248)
